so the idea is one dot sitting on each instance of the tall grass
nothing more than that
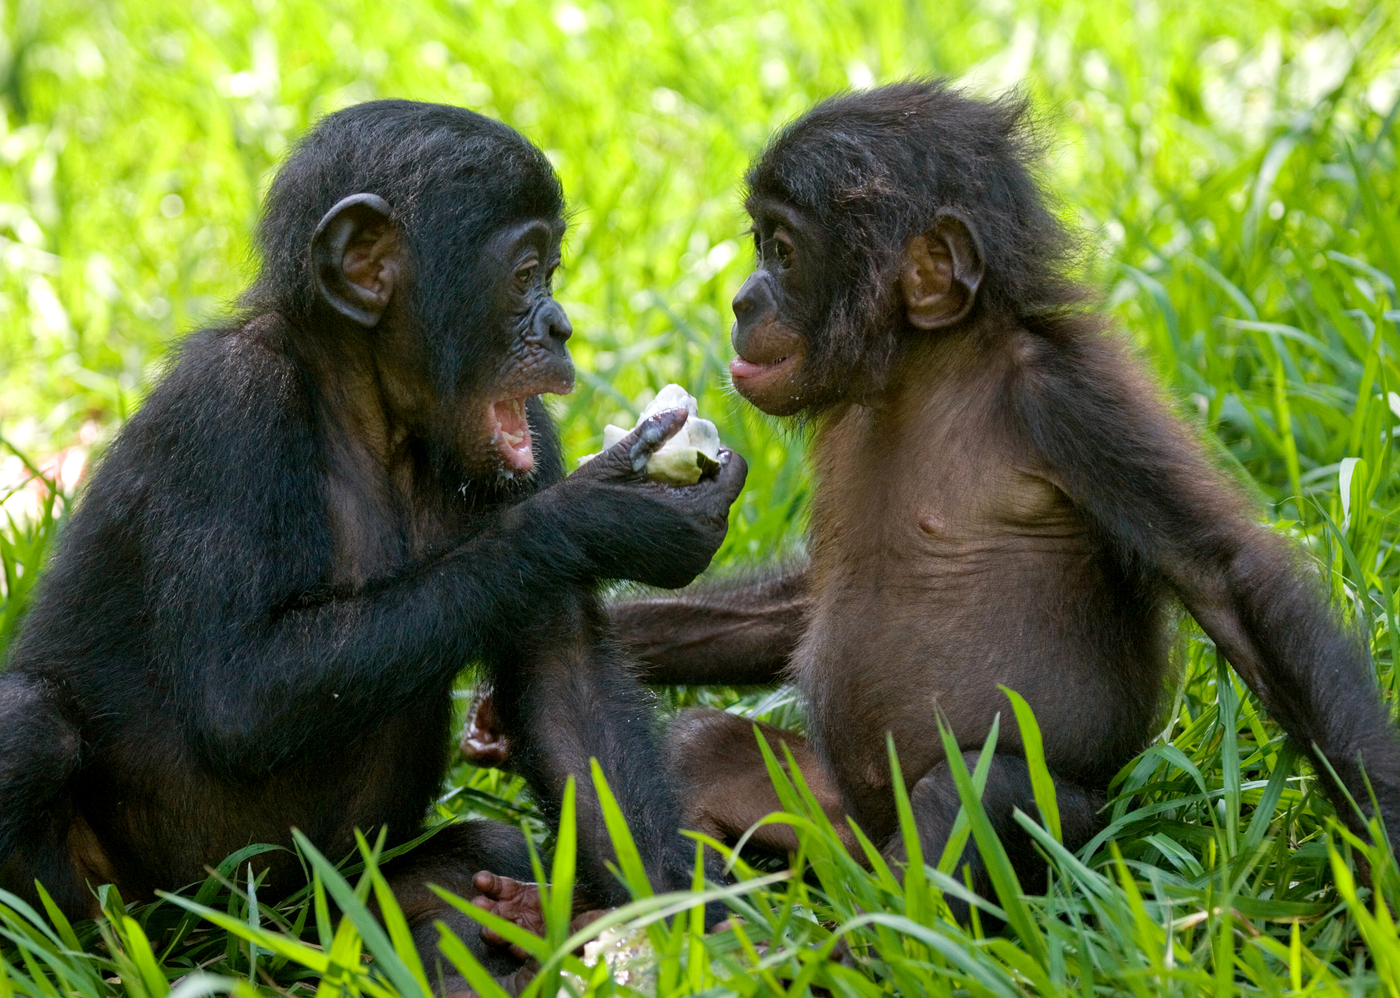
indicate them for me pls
(1234, 168)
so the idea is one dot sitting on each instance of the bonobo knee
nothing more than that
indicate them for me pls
(449, 860)
(1008, 786)
(39, 750)
(935, 802)
(455, 854)
(704, 731)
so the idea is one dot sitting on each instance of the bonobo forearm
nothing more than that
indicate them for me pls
(722, 634)
(1267, 614)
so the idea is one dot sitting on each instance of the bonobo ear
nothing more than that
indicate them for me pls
(356, 258)
(941, 272)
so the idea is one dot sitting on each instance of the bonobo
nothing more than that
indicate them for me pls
(1001, 498)
(327, 509)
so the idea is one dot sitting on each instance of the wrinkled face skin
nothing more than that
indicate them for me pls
(778, 309)
(526, 317)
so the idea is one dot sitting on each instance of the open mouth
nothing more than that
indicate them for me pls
(510, 434)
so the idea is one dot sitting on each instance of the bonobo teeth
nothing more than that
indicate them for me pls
(510, 434)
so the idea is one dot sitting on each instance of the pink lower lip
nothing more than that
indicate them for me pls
(741, 368)
(520, 458)
(517, 457)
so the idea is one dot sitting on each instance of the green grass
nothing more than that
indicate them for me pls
(1234, 168)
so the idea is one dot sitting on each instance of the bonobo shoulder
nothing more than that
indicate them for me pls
(256, 357)
(1066, 351)
(223, 378)
(232, 404)
(1039, 364)
(1028, 351)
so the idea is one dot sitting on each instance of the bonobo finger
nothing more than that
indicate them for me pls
(723, 487)
(493, 938)
(490, 884)
(650, 434)
(627, 459)
(733, 472)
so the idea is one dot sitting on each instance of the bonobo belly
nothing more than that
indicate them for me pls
(889, 649)
(161, 818)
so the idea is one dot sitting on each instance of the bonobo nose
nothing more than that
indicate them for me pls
(552, 326)
(756, 296)
(753, 304)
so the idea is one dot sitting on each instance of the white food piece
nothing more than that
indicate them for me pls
(687, 455)
(629, 955)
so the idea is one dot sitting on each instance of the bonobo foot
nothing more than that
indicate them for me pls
(514, 900)
(511, 984)
(518, 901)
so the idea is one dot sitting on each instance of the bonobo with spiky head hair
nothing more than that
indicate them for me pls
(1000, 501)
(851, 201)
(431, 157)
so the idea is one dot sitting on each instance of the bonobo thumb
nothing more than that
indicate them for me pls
(732, 473)
(627, 459)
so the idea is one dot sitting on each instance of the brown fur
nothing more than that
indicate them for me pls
(1001, 499)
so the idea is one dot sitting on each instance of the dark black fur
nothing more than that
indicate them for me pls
(198, 673)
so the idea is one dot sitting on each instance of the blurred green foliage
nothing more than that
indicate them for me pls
(1233, 167)
(139, 137)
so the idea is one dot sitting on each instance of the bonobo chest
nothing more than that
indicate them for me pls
(383, 515)
(939, 548)
(934, 482)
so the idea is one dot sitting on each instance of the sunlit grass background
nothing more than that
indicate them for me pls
(1233, 167)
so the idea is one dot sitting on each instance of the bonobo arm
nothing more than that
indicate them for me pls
(730, 632)
(216, 487)
(1147, 486)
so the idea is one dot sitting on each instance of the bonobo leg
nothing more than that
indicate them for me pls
(60, 851)
(42, 835)
(448, 860)
(562, 695)
(935, 803)
(714, 754)
(727, 788)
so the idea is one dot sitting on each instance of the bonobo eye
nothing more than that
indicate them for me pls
(549, 277)
(782, 245)
(525, 275)
(757, 243)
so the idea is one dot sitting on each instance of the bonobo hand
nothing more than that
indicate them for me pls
(626, 527)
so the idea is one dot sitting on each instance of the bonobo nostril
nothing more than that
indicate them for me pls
(556, 325)
(754, 299)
